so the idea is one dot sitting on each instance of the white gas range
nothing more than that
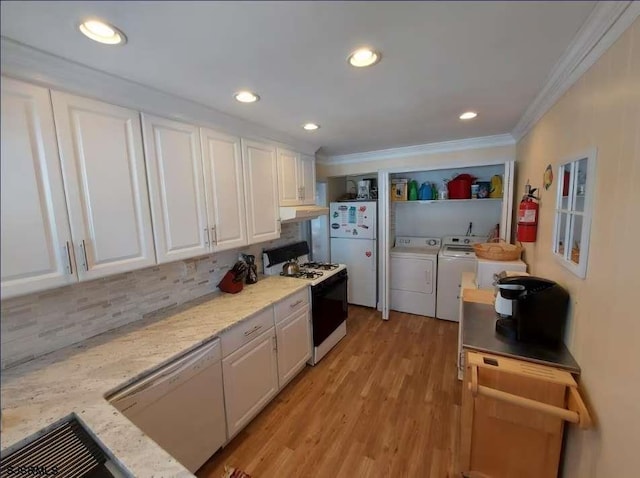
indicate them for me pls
(328, 293)
(314, 272)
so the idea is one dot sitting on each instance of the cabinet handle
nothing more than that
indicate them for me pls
(251, 331)
(296, 303)
(302, 192)
(206, 232)
(83, 249)
(275, 344)
(279, 226)
(68, 254)
(214, 235)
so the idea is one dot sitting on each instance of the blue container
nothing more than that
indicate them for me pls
(425, 193)
(484, 188)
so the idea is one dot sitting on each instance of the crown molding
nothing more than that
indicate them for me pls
(605, 24)
(429, 148)
(23, 62)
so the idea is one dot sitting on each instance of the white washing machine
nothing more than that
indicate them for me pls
(455, 257)
(413, 281)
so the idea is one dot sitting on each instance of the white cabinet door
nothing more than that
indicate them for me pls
(250, 377)
(294, 345)
(289, 178)
(103, 169)
(261, 191)
(35, 228)
(308, 179)
(176, 189)
(222, 160)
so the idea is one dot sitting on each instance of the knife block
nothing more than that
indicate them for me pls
(227, 284)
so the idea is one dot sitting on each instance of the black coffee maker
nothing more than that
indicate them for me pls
(539, 310)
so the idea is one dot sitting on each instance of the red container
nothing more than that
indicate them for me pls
(227, 284)
(565, 184)
(460, 186)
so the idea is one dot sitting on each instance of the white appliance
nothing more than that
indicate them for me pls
(413, 281)
(455, 257)
(353, 242)
(487, 270)
(328, 282)
(181, 406)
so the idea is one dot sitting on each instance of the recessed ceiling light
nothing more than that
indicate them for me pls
(363, 57)
(467, 115)
(102, 32)
(311, 126)
(246, 97)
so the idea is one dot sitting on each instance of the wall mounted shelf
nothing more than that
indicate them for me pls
(444, 201)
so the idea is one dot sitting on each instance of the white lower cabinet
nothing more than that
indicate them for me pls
(294, 345)
(250, 377)
(292, 316)
(259, 359)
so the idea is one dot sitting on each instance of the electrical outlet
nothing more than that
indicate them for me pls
(189, 267)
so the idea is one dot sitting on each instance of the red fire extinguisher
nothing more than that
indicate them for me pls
(528, 215)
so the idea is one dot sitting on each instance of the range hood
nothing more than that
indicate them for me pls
(302, 213)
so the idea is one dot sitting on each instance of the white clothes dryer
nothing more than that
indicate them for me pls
(456, 256)
(414, 274)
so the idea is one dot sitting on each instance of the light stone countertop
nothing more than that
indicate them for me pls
(74, 380)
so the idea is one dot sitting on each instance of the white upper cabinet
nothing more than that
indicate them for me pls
(103, 168)
(176, 189)
(261, 191)
(222, 160)
(35, 228)
(308, 179)
(296, 178)
(289, 178)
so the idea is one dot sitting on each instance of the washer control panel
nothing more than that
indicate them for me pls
(411, 241)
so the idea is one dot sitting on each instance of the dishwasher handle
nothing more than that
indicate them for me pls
(172, 372)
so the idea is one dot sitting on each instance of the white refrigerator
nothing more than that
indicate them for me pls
(353, 242)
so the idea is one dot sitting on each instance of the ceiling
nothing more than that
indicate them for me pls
(438, 60)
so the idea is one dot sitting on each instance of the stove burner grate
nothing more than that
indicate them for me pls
(325, 266)
(304, 274)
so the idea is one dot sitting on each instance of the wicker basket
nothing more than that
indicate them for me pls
(498, 251)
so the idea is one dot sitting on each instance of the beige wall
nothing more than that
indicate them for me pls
(478, 156)
(602, 109)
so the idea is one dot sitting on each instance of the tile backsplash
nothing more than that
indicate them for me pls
(39, 323)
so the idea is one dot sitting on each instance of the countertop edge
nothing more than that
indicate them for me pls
(487, 314)
(109, 427)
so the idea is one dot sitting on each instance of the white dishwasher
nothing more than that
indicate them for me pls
(181, 406)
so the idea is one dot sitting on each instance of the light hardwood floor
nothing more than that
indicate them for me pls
(385, 402)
